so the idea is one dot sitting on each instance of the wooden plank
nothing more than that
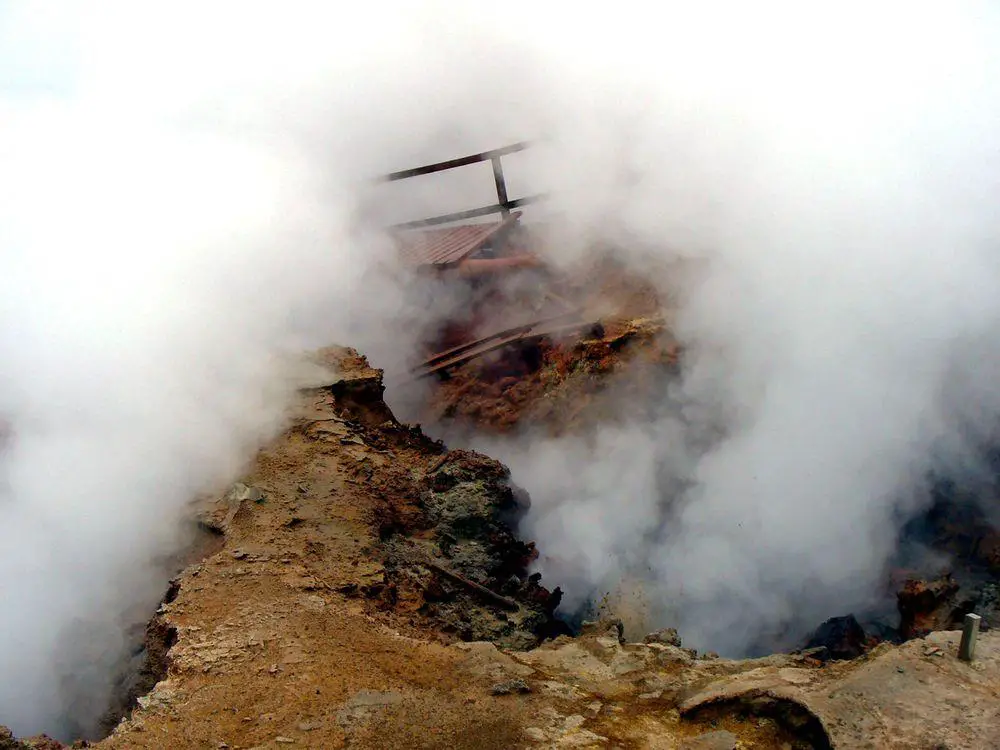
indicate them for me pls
(456, 350)
(451, 245)
(532, 334)
(478, 588)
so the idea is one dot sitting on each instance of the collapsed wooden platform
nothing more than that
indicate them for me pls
(480, 250)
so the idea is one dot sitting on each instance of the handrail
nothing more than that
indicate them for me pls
(453, 163)
(503, 206)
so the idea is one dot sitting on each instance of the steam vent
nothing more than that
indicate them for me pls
(652, 402)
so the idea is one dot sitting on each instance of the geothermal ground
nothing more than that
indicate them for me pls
(364, 586)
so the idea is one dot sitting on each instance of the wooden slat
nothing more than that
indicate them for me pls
(507, 332)
(446, 246)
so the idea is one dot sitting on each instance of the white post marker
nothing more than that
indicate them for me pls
(967, 648)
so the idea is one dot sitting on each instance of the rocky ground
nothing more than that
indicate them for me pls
(364, 586)
(366, 591)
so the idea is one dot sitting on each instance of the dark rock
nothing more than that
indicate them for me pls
(883, 628)
(987, 606)
(443, 481)
(434, 591)
(512, 585)
(448, 536)
(509, 687)
(957, 525)
(359, 393)
(8, 741)
(153, 662)
(472, 515)
(843, 638)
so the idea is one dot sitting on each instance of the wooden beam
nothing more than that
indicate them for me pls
(501, 185)
(527, 336)
(505, 333)
(484, 592)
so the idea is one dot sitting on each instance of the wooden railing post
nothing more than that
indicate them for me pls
(501, 186)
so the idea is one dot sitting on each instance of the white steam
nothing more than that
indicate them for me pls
(840, 180)
(180, 207)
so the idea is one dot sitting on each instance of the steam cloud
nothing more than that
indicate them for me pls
(180, 210)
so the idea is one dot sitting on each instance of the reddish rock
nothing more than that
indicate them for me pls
(926, 606)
